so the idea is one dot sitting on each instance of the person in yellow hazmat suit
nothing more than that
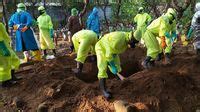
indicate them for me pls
(107, 50)
(142, 19)
(162, 27)
(84, 42)
(46, 31)
(9, 61)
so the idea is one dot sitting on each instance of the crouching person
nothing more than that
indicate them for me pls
(107, 50)
(9, 61)
(84, 42)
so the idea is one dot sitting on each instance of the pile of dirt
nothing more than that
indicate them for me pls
(174, 88)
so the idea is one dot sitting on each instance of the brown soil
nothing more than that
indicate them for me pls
(172, 88)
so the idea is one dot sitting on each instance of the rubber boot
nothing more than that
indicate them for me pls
(79, 68)
(7, 84)
(93, 58)
(159, 57)
(147, 62)
(71, 47)
(44, 54)
(37, 55)
(26, 57)
(198, 52)
(54, 52)
(13, 77)
(102, 85)
(167, 59)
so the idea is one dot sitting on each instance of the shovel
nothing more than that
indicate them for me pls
(121, 77)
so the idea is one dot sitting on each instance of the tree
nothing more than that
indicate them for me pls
(4, 15)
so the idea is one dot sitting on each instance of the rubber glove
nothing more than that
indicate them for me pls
(167, 34)
(163, 42)
(189, 33)
(24, 29)
(113, 67)
(51, 33)
(5, 51)
(174, 36)
(15, 27)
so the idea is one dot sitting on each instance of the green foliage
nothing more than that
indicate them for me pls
(128, 10)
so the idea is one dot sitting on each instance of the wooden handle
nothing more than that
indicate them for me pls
(120, 76)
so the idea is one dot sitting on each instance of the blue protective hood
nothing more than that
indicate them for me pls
(95, 11)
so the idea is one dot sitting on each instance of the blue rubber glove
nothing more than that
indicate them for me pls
(5, 51)
(51, 33)
(174, 36)
(113, 67)
(167, 34)
(189, 33)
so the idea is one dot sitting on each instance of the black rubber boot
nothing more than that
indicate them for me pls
(71, 47)
(198, 52)
(93, 58)
(54, 52)
(167, 59)
(102, 85)
(8, 83)
(79, 68)
(44, 54)
(159, 57)
(13, 77)
(147, 62)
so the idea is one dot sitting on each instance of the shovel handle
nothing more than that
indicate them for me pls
(120, 76)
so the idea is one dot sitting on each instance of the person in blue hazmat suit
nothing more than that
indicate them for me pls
(21, 21)
(93, 22)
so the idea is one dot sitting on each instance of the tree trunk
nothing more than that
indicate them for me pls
(4, 15)
(15, 4)
(104, 12)
(44, 1)
(118, 8)
(181, 9)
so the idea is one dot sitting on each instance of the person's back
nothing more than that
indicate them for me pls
(93, 22)
(74, 24)
(142, 19)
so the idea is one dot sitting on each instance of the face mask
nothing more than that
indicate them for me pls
(171, 18)
(20, 10)
(140, 11)
(41, 12)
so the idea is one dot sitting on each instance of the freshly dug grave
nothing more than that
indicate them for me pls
(174, 88)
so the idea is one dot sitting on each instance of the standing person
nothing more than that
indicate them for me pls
(107, 50)
(84, 42)
(142, 19)
(9, 61)
(46, 31)
(75, 24)
(195, 27)
(162, 27)
(22, 21)
(93, 22)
